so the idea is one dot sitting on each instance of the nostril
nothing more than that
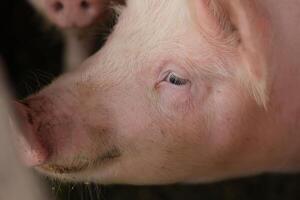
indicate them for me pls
(58, 6)
(84, 4)
(22, 109)
(30, 145)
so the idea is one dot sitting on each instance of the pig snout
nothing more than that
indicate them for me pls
(74, 13)
(54, 139)
(30, 146)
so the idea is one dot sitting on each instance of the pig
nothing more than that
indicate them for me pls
(183, 91)
(80, 22)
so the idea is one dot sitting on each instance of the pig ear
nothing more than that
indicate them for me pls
(212, 18)
(244, 22)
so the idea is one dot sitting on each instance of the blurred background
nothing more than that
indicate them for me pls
(33, 51)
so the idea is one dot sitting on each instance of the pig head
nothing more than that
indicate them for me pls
(183, 91)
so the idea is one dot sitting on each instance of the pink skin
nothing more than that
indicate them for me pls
(230, 111)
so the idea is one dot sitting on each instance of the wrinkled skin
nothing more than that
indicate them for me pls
(183, 91)
(80, 23)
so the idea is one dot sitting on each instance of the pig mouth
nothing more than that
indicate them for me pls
(109, 155)
(58, 169)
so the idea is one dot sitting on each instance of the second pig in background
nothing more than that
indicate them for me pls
(80, 22)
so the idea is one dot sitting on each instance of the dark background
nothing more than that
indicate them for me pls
(33, 55)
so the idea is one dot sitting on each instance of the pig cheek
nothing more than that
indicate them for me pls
(174, 99)
(187, 118)
(232, 126)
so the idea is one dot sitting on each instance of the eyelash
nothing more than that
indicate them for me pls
(175, 79)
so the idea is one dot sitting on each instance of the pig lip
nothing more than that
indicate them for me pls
(58, 169)
(109, 155)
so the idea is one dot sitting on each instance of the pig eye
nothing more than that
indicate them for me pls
(175, 79)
